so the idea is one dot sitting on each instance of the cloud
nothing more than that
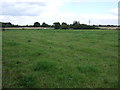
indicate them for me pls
(22, 0)
(65, 17)
(58, 0)
(91, 0)
(22, 8)
(114, 11)
(31, 8)
(29, 11)
(100, 18)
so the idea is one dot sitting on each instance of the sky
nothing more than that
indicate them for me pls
(26, 12)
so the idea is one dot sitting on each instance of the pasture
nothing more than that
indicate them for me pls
(60, 58)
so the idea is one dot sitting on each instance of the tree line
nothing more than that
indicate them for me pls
(57, 25)
(36, 24)
(75, 25)
(63, 25)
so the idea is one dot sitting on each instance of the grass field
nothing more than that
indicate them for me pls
(60, 59)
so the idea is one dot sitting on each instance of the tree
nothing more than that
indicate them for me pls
(36, 24)
(57, 25)
(76, 25)
(75, 22)
(64, 26)
(44, 25)
(8, 24)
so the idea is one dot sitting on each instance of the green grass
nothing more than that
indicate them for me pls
(0, 59)
(60, 59)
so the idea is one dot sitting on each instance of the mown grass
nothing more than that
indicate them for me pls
(60, 59)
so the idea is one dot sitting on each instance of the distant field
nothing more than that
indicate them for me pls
(107, 28)
(60, 59)
(14, 28)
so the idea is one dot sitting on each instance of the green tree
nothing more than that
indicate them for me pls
(64, 26)
(44, 25)
(57, 25)
(36, 24)
(76, 25)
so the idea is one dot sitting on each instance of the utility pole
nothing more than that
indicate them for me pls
(89, 22)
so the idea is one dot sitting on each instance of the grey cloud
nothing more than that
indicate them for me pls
(36, 3)
(23, 9)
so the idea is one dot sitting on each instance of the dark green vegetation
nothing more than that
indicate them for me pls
(0, 59)
(57, 25)
(60, 59)
(36, 24)
(75, 25)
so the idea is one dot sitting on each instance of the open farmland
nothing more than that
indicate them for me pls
(108, 28)
(60, 59)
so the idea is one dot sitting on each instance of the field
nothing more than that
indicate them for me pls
(60, 59)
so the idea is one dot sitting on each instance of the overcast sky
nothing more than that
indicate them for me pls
(26, 12)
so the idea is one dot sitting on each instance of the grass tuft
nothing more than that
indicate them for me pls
(88, 69)
(44, 66)
(27, 81)
(29, 40)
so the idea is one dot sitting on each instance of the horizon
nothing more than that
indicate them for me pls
(27, 12)
(53, 24)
